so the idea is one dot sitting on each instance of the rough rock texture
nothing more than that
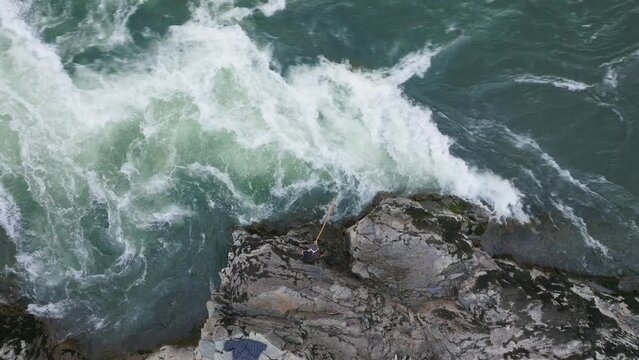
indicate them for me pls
(167, 352)
(406, 282)
(25, 337)
(22, 336)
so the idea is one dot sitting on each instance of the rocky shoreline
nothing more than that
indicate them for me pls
(408, 280)
(23, 336)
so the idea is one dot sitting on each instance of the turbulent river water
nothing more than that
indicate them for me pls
(135, 134)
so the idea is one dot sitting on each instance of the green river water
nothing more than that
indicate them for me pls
(135, 134)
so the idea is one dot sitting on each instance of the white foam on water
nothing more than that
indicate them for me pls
(413, 64)
(565, 174)
(294, 190)
(613, 67)
(9, 214)
(580, 224)
(610, 78)
(531, 174)
(157, 184)
(452, 27)
(116, 206)
(326, 125)
(226, 11)
(98, 323)
(611, 106)
(104, 24)
(522, 141)
(55, 310)
(258, 211)
(164, 216)
(119, 33)
(312, 112)
(388, 136)
(272, 6)
(555, 81)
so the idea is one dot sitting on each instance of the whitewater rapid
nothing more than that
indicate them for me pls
(103, 170)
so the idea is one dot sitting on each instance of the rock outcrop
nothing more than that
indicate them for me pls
(407, 281)
(23, 336)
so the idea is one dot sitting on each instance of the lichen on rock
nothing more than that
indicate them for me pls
(410, 284)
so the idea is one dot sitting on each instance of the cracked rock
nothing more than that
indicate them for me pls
(410, 284)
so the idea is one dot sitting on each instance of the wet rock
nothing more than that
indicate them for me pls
(411, 286)
(22, 335)
(68, 350)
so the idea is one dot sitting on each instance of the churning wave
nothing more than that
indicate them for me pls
(112, 153)
(9, 214)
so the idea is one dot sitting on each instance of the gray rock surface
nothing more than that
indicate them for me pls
(167, 352)
(407, 282)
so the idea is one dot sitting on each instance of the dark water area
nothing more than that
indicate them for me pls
(137, 134)
(7, 257)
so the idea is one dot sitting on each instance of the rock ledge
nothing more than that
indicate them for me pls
(407, 282)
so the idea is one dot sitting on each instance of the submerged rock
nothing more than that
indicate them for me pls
(406, 282)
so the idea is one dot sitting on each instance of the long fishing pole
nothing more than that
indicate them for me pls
(328, 216)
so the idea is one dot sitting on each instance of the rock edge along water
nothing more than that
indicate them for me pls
(405, 281)
(24, 336)
(414, 287)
